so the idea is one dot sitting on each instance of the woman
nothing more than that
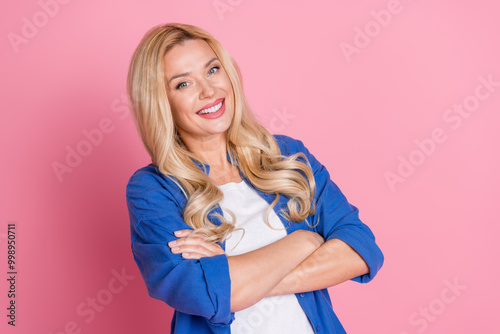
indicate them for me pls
(238, 230)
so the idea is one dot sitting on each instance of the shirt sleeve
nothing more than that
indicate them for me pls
(197, 287)
(339, 219)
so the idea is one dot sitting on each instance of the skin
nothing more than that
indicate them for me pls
(280, 267)
(190, 93)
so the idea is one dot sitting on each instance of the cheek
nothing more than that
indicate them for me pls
(180, 107)
(178, 117)
(228, 85)
(225, 83)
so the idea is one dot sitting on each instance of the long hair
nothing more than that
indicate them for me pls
(249, 143)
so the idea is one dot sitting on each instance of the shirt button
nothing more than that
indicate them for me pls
(289, 224)
(318, 328)
(302, 294)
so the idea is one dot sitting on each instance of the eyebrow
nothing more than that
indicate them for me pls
(186, 73)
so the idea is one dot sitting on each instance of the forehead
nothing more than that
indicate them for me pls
(188, 56)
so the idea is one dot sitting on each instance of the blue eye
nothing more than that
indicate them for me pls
(181, 85)
(212, 72)
(184, 84)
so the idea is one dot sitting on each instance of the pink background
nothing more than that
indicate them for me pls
(360, 114)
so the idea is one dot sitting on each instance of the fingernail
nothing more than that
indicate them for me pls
(175, 249)
(177, 232)
(171, 243)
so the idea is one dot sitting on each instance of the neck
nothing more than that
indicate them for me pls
(212, 151)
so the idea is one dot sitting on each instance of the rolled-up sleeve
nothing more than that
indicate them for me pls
(197, 287)
(338, 219)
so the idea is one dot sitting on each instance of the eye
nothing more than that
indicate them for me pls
(181, 85)
(212, 71)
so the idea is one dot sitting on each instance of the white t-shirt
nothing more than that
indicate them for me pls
(271, 315)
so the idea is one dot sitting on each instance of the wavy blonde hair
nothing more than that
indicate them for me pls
(250, 144)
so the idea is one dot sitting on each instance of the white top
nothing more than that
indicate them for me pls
(271, 315)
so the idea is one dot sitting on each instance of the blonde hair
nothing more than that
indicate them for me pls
(254, 148)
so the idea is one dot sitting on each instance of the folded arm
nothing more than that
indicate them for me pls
(254, 274)
(350, 250)
(332, 263)
(264, 272)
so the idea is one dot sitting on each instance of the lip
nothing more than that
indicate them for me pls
(216, 114)
(216, 102)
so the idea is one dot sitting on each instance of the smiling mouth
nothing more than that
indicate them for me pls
(211, 110)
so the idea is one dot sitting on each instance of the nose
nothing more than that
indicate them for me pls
(206, 89)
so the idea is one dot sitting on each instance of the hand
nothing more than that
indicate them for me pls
(192, 245)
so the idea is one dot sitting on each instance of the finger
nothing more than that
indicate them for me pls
(183, 233)
(189, 236)
(199, 247)
(190, 240)
(187, 233)
(197, 234)
(199, 250)
(195, 244)
(193, 256)
(198, 255)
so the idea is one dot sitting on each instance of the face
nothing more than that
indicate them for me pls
(199, 92)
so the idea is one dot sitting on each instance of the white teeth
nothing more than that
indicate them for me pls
(210, 110)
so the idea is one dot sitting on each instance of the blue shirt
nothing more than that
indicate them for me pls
(199, 290)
